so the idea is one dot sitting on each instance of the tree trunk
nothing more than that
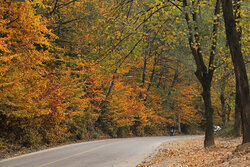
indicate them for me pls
(144, 68)
(179, 122)
(111, 83)
(223, 104)
(160, 78)
(238, 108)
(151, 77)
(228, 112)
(171, 88)
(233, 38)
(144, 71)
(209, 131)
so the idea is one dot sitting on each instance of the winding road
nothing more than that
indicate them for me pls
(122, 152)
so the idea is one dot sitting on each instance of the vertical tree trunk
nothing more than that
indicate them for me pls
(228, 112)
(111, 83)
(171, 88)
(233, 38)
(209, 132)
(238, 108)
(179, 122)
(151, 77)
(144, 66)
(160, 78)
(144, 70)
(223, 104)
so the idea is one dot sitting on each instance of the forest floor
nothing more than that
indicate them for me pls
(191, 153)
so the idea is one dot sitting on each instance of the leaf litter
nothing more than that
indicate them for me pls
(227, 152)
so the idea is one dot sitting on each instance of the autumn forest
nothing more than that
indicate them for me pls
(85, 69)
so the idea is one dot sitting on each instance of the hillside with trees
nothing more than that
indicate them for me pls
(84, 69)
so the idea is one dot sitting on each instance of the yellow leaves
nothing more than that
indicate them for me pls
(159, 2)
(22, 30)
(30, 90)
(9, 57)
(202, 4)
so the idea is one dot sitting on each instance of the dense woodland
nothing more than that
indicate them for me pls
(80, 69)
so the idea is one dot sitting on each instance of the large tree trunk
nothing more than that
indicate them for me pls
(233, 38)
(209, 132)
(238, 108)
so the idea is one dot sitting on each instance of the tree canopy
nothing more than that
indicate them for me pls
(87, 68)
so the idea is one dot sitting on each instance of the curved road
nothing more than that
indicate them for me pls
(125, 152)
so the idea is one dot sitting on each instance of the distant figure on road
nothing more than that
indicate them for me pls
(172, 131)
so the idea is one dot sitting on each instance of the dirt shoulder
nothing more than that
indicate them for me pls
(13, 150)
(190, 152)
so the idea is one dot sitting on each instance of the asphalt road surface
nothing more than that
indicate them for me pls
(125, 152)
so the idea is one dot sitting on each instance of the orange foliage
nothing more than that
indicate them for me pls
(52, 87)
(183, 105)
(126, 109)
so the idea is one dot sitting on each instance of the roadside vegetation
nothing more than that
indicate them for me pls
(87, 69)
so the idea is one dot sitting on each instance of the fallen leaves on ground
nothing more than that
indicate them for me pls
(191, 153)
